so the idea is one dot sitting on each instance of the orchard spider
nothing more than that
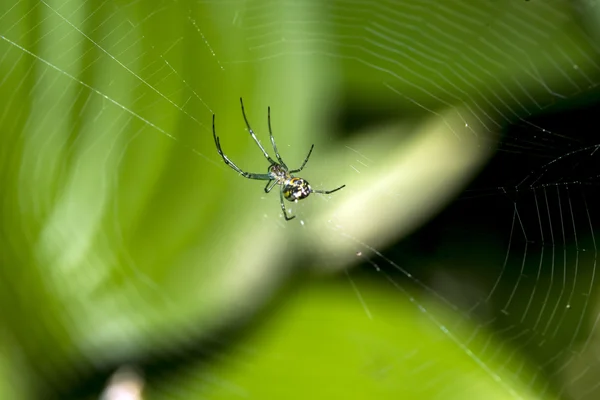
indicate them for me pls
(292, 188)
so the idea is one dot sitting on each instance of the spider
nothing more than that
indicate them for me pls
(292, 188)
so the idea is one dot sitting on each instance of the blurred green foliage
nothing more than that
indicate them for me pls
(123, 233)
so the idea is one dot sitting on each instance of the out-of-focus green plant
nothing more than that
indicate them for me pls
(124, 233)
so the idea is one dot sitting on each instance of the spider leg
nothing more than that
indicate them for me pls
(283, 206)
(273, 141)
(254, 136)
(270, 185)
(262, 177)
(327, 191)
(305, 161)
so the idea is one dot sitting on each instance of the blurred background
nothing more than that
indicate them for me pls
(458, 262)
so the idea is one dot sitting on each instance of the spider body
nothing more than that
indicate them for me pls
(295, 189)
(291, 188)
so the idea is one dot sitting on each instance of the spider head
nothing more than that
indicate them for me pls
(296, 189)
(277, 171)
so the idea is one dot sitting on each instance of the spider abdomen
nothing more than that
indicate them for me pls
(295, 189)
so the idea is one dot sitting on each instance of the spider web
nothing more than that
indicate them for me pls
(114, 180)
